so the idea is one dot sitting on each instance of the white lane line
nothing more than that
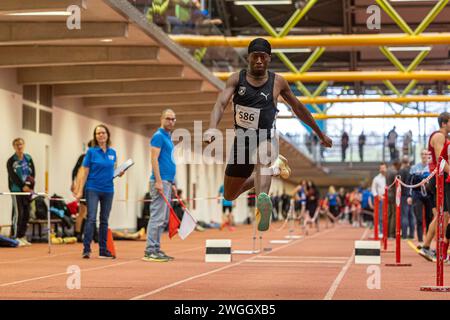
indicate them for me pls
(85, 270)
(61, 273)
(174, 284)
(46, 256)
(302, 257)
(297, 261)
(341, 275)
(39, 257)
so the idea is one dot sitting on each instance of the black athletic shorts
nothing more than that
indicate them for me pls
(227, 208)
(243, 154)
(432, 185)
(311, 207)
(334, 210)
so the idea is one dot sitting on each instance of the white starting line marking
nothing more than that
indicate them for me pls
(280, 241)
(301, 257)
(244, 251)
(297, 261)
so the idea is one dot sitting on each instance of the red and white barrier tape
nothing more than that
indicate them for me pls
(423, 182)
(393, 183)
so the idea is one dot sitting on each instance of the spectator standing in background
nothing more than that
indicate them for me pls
(312, 198)
(361, 143)
(332, 199)
(341, 201)
(390, 178)
(407, 143)
(316, 148)
(421, 197)
(21, 174)
(308, 142)
(407, 216)
(378, 185)
(344, 144)
(367, 206)
(392, 143)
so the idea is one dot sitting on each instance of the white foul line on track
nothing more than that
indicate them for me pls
(297, 261)
(302, 257)
(341, 275)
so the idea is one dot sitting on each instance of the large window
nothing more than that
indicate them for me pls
(37, 108)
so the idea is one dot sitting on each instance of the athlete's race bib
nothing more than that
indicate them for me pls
(247, 117)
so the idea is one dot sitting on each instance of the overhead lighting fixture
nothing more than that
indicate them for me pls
(405, 49)
(292, 50)
(106, 40)
(41, 13)
(261, 2)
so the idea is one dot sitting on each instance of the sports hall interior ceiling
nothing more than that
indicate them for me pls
(328, 17)
(116, 62)
(319, 18)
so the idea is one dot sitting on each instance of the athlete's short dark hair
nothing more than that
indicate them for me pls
(444, 117)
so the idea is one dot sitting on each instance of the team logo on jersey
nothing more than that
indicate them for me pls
(242, 90)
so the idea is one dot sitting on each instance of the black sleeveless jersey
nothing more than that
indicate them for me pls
(254, 107)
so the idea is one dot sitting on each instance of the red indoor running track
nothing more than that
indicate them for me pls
(318, 266)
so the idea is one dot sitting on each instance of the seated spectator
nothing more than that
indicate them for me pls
(188, 16)
(157, 14)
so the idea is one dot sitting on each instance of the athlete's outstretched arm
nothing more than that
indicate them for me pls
(223, 100)
(301, 111)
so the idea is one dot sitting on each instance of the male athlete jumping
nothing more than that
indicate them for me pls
(255, 93)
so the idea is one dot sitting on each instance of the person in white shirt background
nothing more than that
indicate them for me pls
(378, 185)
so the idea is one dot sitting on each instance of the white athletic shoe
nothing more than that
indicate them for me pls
(281, 167)
(25, 241)
(21, 243)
